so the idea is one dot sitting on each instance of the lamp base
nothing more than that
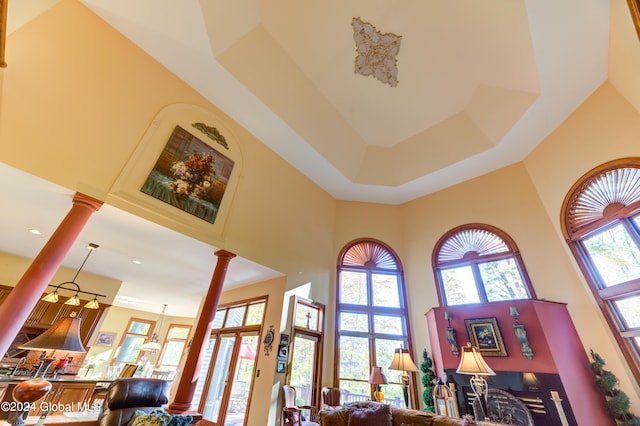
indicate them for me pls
(27, 393)
(378, 395)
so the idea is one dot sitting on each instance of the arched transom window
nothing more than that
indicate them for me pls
(477, 263)
(601, 223)
(371, 319)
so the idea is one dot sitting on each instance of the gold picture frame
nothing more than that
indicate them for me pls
(484, 334)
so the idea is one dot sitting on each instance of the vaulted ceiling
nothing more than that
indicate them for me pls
(479, 85)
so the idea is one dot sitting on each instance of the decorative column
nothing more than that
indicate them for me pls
(23, 297)
(189, 377)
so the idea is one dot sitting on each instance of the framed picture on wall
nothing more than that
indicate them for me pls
(281, 367)
(485, 335)
(105, 339)
(283, 352)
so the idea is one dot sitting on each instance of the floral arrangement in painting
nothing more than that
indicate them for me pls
(193, 175)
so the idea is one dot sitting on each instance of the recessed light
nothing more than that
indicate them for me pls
(35, 231)
(137, 262)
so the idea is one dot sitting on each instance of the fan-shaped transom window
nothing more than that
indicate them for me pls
(601, 222)
(479, 263)
(371, 319)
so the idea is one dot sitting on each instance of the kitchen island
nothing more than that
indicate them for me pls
(67, 395)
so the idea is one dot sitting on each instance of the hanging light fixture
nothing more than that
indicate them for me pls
(153, 345)
(73, 286)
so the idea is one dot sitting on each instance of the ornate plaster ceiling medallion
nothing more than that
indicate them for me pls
(376, 52)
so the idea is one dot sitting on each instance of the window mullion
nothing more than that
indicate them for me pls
(616, 291)
(479, 283)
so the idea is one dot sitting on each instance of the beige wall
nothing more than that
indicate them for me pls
(14, 267)
(115, 320)
(604, 128)
(87, 108)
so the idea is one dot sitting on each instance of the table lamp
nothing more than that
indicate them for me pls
(402, 362)
(473, 363)
(64, 335)
(377, 378)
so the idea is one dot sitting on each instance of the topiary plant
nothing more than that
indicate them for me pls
(618, 403)
(428, 381)
(635, 421)
(606, 382)
(597, 364)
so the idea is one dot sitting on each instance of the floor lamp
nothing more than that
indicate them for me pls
(473, 363)
(402, 362)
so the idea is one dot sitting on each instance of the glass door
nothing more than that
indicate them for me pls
(213, 402)
(303, 367)
(231, 377)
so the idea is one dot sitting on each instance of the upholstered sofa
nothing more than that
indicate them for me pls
(375, 414)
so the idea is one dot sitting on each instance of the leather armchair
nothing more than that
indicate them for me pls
(125, 396)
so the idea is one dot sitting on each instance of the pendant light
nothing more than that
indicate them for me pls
(153, 345)
(73, 286)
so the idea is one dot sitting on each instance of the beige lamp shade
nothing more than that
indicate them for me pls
(402, 361)
(377, 376)
(64, 335)
(472, 362)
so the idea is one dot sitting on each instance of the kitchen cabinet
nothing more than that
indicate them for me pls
(65, 397)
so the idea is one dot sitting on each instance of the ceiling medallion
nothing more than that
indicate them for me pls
(376, 52)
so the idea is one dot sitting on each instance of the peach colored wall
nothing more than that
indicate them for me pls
(13, 267)
(87, 107)
(624, 53)
(604, 128)
(505, 199)
(116, 319)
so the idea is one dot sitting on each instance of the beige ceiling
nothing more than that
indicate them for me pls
(480, 84)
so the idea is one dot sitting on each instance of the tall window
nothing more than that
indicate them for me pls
(138, 331)
(371, 319)
(173, 347)
(477, 263)
(601, 222)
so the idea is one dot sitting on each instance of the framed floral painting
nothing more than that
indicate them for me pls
(190, 175)
(485, 335)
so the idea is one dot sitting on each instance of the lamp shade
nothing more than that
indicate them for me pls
(472, 362)
(377, 376)
(402, 361)
(51, 297)
(64, 335)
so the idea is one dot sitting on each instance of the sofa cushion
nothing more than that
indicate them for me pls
(404, 416)
(334, 417)
(369, 414)
(158, 417)
(141, 418)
